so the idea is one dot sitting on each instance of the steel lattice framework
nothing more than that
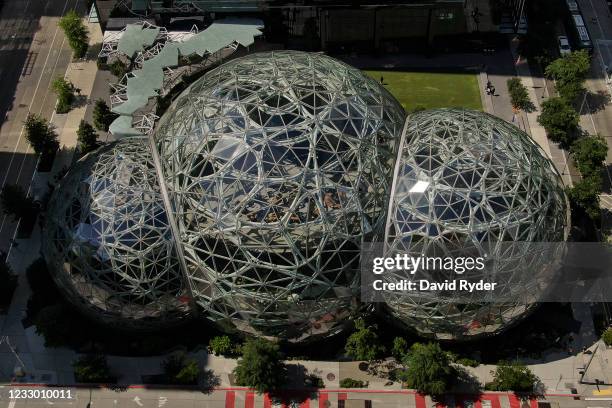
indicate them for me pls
(108, 243)
(278, 166)
(469, 184)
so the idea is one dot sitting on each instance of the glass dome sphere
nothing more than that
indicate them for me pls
(278, 167)
(107, 241)
(470, 184)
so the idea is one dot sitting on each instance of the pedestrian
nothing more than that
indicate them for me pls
(492, 90)
(382, 80)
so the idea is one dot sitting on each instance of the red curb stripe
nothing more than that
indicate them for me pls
(250, 400)
(419, 400)
(230, 399)
(323, 398)
(267, 402)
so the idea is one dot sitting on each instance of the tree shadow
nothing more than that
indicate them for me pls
(597, 101)
(467, 383)
(208, 381)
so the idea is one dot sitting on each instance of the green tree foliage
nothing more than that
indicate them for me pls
(261, 366)
(54, 324)
(76, 33)
(40, 134)
(86, 137)
(118, 68)
(512, 377)
(519, 96)
(589, 153)
(363, 344)
(181, 370)
(352, 383)
(585, 195)
(65, 94)
(560, 121)
(92, 368)
(102, 115)
(569, 73)
(607, 336)
(16, 202)
(428, 369)
(400, 348)
(222, 346)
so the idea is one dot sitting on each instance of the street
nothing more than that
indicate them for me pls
(33, 51)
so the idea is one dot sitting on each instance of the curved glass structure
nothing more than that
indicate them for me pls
(470, 184)
(278, 167)
(107, 240)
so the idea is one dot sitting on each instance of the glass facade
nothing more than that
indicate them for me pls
(470, 184)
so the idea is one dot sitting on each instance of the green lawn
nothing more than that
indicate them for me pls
(431, 90)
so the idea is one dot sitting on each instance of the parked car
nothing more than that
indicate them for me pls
(564, 47)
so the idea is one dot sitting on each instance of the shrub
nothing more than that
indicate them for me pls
(513, 377)
(92, 369)
(363, 344)
(468, 362)
(518, 95)
(118, 68)
(428, 369)
(607, 336)
(65, 94)
(400, 348)
(181, 370)
(352, 383)
(222, 346)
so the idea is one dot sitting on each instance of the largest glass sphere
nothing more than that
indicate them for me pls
(278, 167)
(470, 184)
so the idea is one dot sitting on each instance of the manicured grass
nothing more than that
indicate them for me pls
(431, 89)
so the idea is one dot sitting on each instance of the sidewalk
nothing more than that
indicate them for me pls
(42, 364)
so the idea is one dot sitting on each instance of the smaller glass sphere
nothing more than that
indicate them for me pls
(107, 241)
(470, 184)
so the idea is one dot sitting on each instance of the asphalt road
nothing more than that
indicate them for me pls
(33, 51)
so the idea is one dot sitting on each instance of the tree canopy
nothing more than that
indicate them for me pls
(16, 202)
(569, 73)
(102, 115)
(76, 33)
(513, 377)
(589, 153)
(428, 369)
(585, 195)
(86, 137)
(519, 96)
(64, 90)
(40, 134)
(92, 368)
(261, 366)
(560, 121)
(363, 344)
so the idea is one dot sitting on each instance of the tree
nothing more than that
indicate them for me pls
(585, 195)
(65, 94)
(87, 137)
(55, 325)
(261, 366)
(102, 115)
(40, 134)
(607, 336)
(589, 153)
(519, 95)
(363, 344)
(76, 33)
(181, 370)
(15, 202)
(513, 377)
(569, 73)
(92, 368)
(560, 121)
(352, 383)
(221, 345)
(400, 348)
(428, 369)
